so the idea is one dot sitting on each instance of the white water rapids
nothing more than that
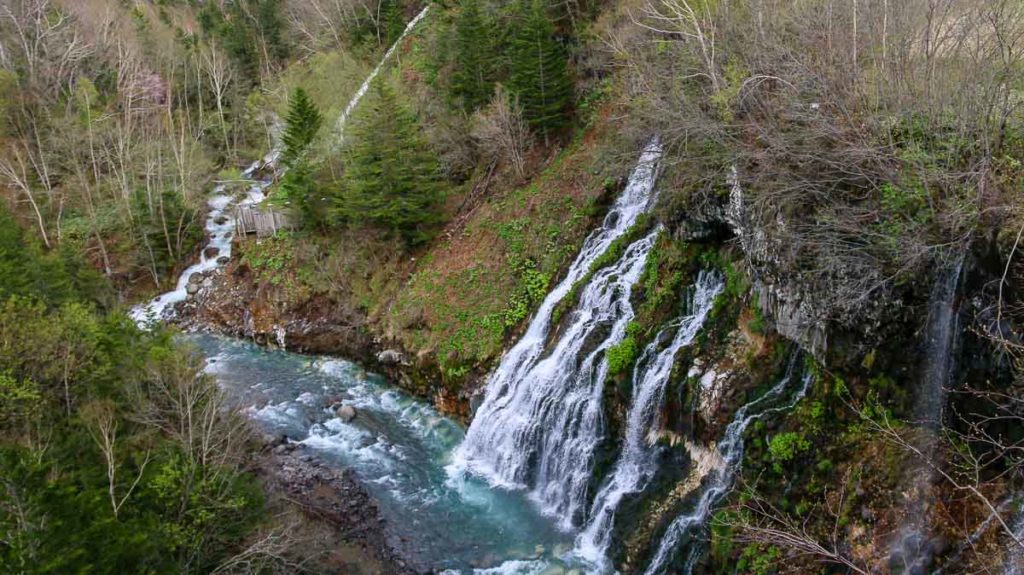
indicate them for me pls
(219, 227)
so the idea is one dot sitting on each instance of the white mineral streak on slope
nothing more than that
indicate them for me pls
(731, 451)
(220, 234)
(636, 464)
(369, 79)
(535, 411)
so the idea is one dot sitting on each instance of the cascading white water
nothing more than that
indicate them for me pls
(1014, 554)
(730, 449)
(543, 435)
(373, 74)
(911, 551)
(220, 226)
(219, 222)
(540, 419)
(636, 464)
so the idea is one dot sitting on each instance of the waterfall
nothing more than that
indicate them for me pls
(369, 79)
(541, 418)
(541, 432)
(940, 342)
(684, 527)
(636, 464)
(911, 550)
(1014, 554)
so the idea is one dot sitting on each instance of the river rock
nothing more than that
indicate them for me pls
(390, 357)
(221, 220)
(223, 260)
(195, 278)
(211, 252)
(192, 288)
(346, 413)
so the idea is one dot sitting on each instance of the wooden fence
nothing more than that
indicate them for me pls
(264, 222)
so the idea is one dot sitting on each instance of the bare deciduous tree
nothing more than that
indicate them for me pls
(502, 133)
(101, 420)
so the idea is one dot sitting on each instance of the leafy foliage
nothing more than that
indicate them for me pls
(99, 467)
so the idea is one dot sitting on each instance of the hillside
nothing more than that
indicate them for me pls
(718, 285)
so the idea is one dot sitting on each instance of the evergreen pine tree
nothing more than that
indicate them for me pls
(297, 185)
(391, 177)
(391, 21)
(538, 75)
(302, 124)
(472, 80)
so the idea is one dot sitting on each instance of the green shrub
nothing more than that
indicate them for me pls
(621, 356)
(784, 447)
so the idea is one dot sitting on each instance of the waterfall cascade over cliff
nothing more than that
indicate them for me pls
(637, 464)
(541, 418)
(685, 527)
(911, 551)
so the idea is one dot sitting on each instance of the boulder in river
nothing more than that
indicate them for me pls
(223, 260)
(195, 278)
(192, 288)
(221, 220)
(346, 413)
(211, 252)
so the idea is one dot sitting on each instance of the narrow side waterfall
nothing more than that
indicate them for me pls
(541, 419)
(685, 527)
(911, 551)
(940, 335)
(636, 464)
(1014, 553)
(369, 79)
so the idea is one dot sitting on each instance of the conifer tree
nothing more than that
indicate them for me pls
(297, 185)
(391, 177)
(538, 75)
(472, 80)
(303, 123)
(391, 22)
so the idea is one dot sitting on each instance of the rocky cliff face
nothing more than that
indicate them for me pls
(231, 300)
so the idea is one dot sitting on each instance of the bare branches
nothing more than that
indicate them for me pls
(689, 21)
(967, 469)
(502, 132)
(102, 423)
(269, 553)
(758, 521)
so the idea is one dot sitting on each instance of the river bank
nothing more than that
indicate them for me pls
(341, 529)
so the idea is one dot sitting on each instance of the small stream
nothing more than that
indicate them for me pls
(399, 447)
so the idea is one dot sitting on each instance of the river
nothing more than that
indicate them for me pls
(399, 448)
